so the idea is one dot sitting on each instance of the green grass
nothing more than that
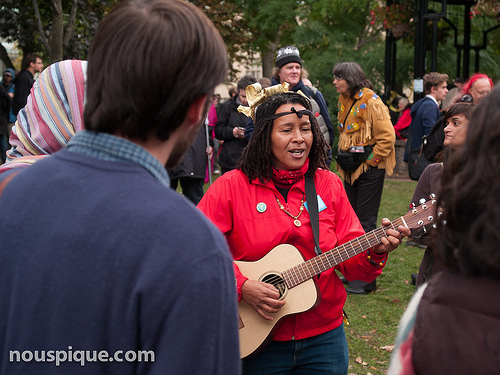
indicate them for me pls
(374, 318)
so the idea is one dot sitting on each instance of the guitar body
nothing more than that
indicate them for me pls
(255, 332)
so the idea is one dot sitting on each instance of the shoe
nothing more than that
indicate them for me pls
(356, 291)
(415, 244)
(357, 285)
(413, 279)
(344, 280)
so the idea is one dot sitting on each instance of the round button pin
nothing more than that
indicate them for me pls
(261, 207)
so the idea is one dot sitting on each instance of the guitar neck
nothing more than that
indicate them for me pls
(307, 270)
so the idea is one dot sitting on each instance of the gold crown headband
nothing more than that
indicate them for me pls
(256, 95)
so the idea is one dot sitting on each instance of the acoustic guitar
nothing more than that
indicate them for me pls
(285, 268)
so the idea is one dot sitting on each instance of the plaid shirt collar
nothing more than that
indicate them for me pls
(111, 148)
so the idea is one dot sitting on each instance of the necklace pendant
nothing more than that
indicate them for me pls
(297, 223)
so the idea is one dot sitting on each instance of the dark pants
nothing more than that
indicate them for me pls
(4, 147)
(192, 188)
(365, 195)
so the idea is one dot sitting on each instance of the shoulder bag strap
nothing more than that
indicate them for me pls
(312, 206)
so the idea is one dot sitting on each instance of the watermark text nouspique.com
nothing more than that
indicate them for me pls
(80, 356)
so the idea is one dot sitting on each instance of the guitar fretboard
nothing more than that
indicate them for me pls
(307, 270)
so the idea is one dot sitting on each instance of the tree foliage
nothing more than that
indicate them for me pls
(487, 49)
(232, 26)
(271, 24)
(331, 31)
(56, 29)
(325, 31)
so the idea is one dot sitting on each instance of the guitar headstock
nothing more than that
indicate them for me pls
(423, 216)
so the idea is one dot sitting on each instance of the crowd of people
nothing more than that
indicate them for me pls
(118, 261)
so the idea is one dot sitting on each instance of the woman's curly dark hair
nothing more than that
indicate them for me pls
(468, 230)
(257, 158)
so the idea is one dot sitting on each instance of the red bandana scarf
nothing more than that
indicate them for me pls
(285, 179)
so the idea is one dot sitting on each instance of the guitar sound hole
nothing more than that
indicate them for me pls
(277, 281)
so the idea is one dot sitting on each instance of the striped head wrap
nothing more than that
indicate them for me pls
(52, 115)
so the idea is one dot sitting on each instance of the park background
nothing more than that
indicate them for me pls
(325, 31)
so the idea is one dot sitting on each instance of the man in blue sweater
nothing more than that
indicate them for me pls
(424, 113)
(103, 268)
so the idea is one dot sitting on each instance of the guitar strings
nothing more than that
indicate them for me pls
(311, 267)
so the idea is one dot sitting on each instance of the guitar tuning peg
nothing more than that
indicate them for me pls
(412, 205)
(434, 202)
(432, 196)
(422, 201)
(434, 225)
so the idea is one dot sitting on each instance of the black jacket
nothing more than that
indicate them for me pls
(4, 110)
(194, 162)
(228, 118)
(23, 81)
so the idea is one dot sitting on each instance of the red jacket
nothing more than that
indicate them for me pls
(231, 203)
(403, 122)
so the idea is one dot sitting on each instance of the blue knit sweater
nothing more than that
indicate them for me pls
(100, 256)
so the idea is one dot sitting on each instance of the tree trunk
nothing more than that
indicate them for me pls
(5, 57)
(56, 32)
(268, 64)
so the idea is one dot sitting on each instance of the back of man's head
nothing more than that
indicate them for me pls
(148, 62)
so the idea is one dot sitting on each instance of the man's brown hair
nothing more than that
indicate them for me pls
(28, 59)
(433, 79)
(148, 62)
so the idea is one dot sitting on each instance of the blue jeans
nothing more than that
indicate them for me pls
(322, 354)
